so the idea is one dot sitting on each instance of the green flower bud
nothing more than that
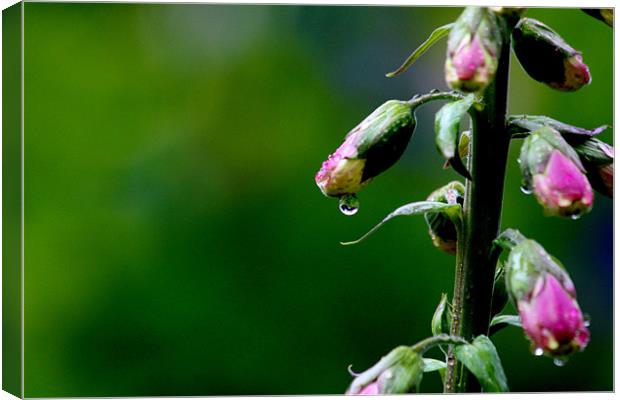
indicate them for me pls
(441, 227)
(369, 149)
(400, 371)
(509, 11)
(547, 58)
(473, 50)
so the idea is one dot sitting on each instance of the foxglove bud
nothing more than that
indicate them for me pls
(547, 58)
(509, 11)
(369, 149)
(598, 160)
(441, 227)
(473, 50)
(604, 14)
(546, 299)
(552, 169)
(400, 371)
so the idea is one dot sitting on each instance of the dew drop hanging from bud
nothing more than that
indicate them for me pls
(538, 352)
(559, 362)
(526, 190)
(349, 204)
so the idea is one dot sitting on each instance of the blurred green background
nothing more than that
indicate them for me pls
(176, 243)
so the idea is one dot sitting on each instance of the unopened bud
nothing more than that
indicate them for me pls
(598, 160)
(546, 299)
(552, 169)
(369, 149)
(473, 50)
(400, 371)
(547, 58)
(603, 14)
(441, 227)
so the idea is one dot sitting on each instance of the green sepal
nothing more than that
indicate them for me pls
(442, 317)
(434, 37)
(508, 239)
(453, 211)
(431, 365)
(447, 122)
(536, 150)
(526, 262)
(387, 132)
(481, 359)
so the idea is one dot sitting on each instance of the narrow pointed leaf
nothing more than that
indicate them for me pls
(430, 365)
(447, 122)
(512, 320)
(428, 43)
(440, 322)
(500, 322)
(453, 211)
(482, 360)
(521, 125)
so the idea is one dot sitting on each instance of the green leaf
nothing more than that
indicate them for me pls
(432, 39)
(500, 322)
(521, 125)
(513, 320)
(482, 360)
(430, 365)
(440, 322)
(453, 211)
(447, 122)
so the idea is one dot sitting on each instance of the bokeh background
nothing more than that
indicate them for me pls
(176, 241)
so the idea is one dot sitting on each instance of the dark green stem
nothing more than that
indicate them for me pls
(475, 266)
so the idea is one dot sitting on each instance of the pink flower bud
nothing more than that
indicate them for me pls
(576, 74)
(468, 59)
(373, 146)
(552, 319)
(562, 188)
(473, 45)
(400, 371)
(370, 390)
(342, 173)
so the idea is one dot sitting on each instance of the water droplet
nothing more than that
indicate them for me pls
(349, 204)
(575, 217)
(559, 362)
(586, 320)
(526, 190)
(538, 352)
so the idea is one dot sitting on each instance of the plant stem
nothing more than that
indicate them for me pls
(423, 345)
(475, 268)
